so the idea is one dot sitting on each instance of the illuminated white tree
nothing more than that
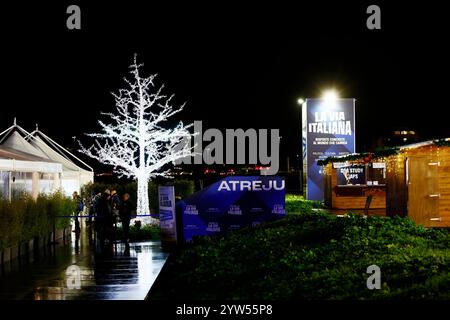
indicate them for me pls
(138, 142)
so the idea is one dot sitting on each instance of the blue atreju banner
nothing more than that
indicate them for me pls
(328, 130)
(232, 203)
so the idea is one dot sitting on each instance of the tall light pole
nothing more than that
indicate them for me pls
(301, 102)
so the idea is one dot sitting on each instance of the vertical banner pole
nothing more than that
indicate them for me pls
(167, 217)
(304, 150)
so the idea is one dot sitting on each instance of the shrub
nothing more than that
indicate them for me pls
(183, 188)
(141, 233)
(60, 205)
(24, 218)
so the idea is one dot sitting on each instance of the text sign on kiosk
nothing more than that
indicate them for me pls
(352, 175)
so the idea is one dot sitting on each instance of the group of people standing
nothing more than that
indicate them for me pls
(108, 208)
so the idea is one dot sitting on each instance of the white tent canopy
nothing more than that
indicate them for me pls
(73, 176)
(38, 164)
(18, 143)
(22, 169)
(12, 160)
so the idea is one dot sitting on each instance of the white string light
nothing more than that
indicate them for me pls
(137, 142)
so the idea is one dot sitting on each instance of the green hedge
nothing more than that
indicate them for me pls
(24, 218)
(183, 188)
(141, 232)
(297, 204)
(313, 256)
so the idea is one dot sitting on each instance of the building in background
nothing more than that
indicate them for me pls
(398, 137)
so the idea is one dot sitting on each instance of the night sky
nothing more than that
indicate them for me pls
(234, 65)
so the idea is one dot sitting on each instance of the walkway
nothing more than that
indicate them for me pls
(122, 273)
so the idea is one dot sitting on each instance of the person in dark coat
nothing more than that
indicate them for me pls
(103, 220)
(78, 210)
(125, 216)
(115, 205)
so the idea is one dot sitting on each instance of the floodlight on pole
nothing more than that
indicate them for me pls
(330, 96)
(300, 101)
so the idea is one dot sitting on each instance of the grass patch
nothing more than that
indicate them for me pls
(297, 204)
(312, 255)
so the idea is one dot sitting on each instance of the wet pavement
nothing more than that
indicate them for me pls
(81, 271)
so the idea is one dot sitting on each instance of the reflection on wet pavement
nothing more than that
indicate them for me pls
(79, 271)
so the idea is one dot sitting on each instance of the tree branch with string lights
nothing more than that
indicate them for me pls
(138, 140)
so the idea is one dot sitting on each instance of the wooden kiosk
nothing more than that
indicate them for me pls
(412, 180)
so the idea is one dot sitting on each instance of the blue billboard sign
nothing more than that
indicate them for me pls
(328, 129)
(232, 203)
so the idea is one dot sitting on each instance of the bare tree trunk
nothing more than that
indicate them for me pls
(143, 204)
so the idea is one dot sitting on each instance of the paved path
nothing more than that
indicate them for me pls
(120, 272)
